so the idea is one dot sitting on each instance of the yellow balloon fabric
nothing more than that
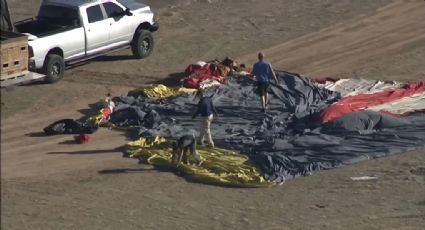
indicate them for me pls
(220, 167)
(96, 119)
(160, 92)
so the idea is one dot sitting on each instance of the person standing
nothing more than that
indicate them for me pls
(207, 111)
(263, 71)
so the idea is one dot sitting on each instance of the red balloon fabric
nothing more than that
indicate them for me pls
(362, 101)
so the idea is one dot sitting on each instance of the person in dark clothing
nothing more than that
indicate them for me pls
(207, 111)
(181, 149)
(263, 71)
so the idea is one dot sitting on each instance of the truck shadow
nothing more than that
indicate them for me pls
(113, 58)
(101, 59)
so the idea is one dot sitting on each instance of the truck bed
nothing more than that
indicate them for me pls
(42, 28)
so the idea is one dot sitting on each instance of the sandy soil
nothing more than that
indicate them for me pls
(50, 183)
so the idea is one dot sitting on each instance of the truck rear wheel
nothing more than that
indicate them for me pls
(54, 68)
(142, 44)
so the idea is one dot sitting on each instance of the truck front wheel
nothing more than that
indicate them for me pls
(54, 68)
(142, 44)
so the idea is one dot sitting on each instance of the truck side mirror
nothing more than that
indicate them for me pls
(128, 12)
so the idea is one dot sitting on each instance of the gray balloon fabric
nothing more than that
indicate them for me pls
(286, 142)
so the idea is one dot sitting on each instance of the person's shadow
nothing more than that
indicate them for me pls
(36, 134)
(172, 80)
(145, 168)
(120, 149)
(124, 170)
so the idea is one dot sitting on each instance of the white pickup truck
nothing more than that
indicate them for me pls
(66, 32)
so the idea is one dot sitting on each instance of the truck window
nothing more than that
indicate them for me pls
(59, 15)
(131, 4)
(94, 13)
(112, 9)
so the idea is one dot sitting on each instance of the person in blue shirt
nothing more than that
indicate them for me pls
(263, 71)
(207, 111)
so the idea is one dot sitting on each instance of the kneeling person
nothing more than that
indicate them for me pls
(181, 150)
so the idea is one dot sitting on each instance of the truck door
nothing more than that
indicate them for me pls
(96, 28)
(121, 25)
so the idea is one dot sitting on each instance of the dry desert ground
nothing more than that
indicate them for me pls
(72, 189)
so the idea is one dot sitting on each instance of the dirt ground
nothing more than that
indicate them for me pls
(50, 183)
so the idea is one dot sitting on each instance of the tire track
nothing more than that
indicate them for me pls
(344, 47)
